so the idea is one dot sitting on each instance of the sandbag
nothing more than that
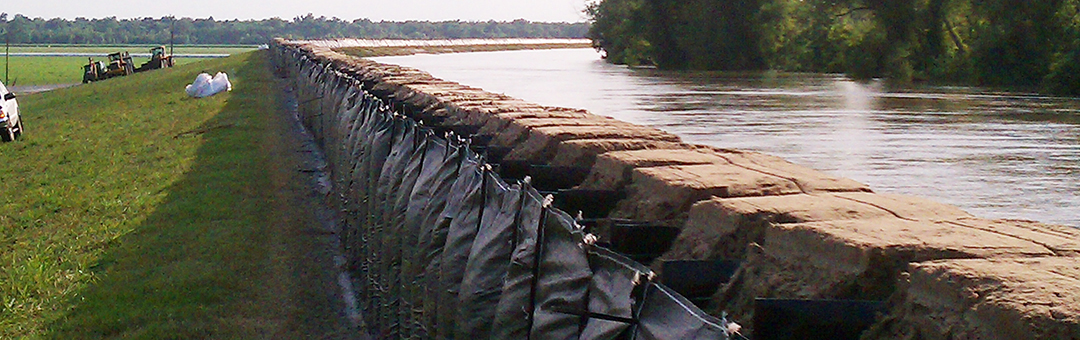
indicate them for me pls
(205, 85)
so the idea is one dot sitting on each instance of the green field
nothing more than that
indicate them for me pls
(31, 71)
(179, 49)
(132, 211)
(36, 71)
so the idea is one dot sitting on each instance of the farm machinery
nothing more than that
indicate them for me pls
(120, 64)
(158, 59)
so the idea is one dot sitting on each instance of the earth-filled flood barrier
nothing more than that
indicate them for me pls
(440, 246)
(473, 214)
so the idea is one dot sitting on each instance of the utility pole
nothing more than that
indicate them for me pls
(7, 53)
(172, 34)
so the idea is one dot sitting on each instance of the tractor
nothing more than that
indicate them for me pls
(120, 64)
(158, 59)
(94, 71)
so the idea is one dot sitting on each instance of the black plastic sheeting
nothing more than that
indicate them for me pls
(814, 319)
(440, 247)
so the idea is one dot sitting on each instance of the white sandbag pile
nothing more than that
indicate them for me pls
(205, 86)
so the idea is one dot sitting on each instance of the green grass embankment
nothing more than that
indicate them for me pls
(129, 210)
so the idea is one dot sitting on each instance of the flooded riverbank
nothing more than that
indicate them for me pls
(997, 155)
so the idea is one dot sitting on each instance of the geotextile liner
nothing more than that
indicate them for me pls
(440, 247)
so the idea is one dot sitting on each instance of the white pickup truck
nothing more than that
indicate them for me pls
(11, 126)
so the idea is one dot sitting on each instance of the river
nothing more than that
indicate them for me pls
(994, 154)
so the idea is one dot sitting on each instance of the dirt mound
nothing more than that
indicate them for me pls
(1018, 298)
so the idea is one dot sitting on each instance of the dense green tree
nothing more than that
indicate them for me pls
(619, 29)
(1064, 74)
(1018, 40)
(715, 32)
(210, 31)
(1020, 43)
(697, 34)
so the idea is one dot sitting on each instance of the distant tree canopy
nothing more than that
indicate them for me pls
(1030, 44)
(209, 31)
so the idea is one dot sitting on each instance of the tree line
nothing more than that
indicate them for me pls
(1012, 43)
(209, 31)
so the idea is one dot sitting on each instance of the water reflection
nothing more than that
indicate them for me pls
(999, 155)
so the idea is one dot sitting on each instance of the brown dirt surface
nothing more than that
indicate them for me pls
(856, 259)
(1030, 298)
(808, 180)
(906, 207)
(583, 152)
(541, 143)
(613, 170)
(922, 240)
(1061, 240)
(723, 227)
(668, 192)
(512, 132)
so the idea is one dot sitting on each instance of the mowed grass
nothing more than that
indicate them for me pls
(25, 71)
(178, 49)
(129, 210)
(34, 71)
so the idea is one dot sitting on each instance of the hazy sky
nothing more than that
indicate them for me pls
(392, 10)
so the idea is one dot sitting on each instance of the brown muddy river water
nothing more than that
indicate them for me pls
(997, 155)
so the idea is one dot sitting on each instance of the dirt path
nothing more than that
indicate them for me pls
(312, 300)
(39, 88)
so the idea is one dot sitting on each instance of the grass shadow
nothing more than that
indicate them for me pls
(218, 252)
